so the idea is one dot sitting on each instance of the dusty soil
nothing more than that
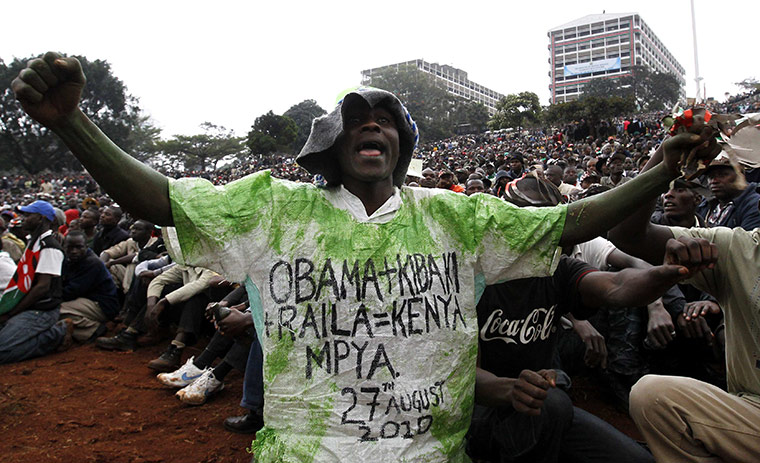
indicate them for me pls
(89, 405)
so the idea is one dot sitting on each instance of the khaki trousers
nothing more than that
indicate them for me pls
(86, 315)
(685, 420)
(122, 276)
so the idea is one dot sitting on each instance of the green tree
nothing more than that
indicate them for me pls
(271, 133)
(470, 116)
(200, 151)
(649, 90)
(425, 98)
(26, 145)
(516, 110)
(592, 108)
(302, 114)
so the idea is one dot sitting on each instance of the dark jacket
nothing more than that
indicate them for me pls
(90, 279)
(107, 237)
(745, 213)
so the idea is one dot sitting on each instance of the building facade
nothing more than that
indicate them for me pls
(603, 46)
(455, 79)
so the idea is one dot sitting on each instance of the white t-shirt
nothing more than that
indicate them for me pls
(367, 323)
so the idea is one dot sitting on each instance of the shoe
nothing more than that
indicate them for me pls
(186, 374)
(152, 338)
(168, 361)
(99, 332)
(245, 424)
(68, 340)
(124, 341)
(201, 389)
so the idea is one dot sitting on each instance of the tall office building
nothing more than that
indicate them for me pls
(603, 46)
(455, 79)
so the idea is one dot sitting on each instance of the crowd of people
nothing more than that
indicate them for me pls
(347, 283)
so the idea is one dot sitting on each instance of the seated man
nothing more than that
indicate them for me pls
(121, 258)
(522, 414)
(186, 305)
(89, 295)
(109, 232)
(196, 377)
(135, 306)
(684, 419)
(29, 307)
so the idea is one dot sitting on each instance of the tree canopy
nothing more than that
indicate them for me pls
(649, 90)
(200, 151)
(516, 110)
(302, 114)
(593, 109)
(31, 147)
(271, 133)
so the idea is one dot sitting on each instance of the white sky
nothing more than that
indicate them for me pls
(228, 62)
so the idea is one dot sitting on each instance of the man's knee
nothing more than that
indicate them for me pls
(653, 395)
(557, 408)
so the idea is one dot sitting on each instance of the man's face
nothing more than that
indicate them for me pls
(75, 248)
(88, 219)
(474, 186)
(571, 176)
(109, 217)
(445, 180)
(721, 182)
(679, 202)
(428, 181)
(554, 175)
(616, 167)
(516, 165)
(369, 148)
(30, 221)
(140, 231)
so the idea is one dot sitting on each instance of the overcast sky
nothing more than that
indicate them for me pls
(228, 62)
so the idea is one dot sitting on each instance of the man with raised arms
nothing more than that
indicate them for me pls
(363, 293)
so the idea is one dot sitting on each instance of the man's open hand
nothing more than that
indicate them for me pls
(49, 88)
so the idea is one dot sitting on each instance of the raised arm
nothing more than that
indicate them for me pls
(49, 90)
(589, 218)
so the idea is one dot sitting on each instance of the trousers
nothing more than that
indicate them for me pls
(30, 334)
(560, 433)
(687, 420)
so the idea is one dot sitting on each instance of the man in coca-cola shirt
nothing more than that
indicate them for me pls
(522, 412)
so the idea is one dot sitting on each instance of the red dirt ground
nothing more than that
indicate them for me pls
(92, 406)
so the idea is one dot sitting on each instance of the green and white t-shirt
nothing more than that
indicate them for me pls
(368, 324)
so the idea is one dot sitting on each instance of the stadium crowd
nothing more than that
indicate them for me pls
(98, 267)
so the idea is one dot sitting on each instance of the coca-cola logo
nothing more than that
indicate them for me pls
(536, 326)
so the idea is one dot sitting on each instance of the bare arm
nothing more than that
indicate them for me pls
(491, 390)
(588, 218)
(637, 235)
(49, 90)
(629, 287)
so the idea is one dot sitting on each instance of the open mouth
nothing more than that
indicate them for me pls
(371, 148)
